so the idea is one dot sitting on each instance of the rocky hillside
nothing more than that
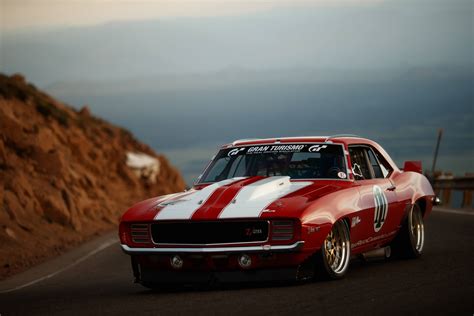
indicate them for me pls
(65, 176)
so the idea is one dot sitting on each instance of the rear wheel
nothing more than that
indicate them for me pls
(411, 239)
(333, 260)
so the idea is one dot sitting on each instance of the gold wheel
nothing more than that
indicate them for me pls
(417, 229)
(337, 248)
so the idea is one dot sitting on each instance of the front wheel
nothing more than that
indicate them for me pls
(332, 262)
(411, 238)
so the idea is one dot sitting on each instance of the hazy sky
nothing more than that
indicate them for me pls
(18, 14)
(342, 34)
(385, 69)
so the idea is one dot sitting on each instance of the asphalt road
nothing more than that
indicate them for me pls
(440, 282)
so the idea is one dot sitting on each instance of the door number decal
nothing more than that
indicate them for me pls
(381, 208)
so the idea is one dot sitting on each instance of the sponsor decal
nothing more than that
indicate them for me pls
(341, 175)
(355, 221)
(372, 239)
(381, 208)
(289, 148)
(234, 152)
(316, 148)
(275, 149)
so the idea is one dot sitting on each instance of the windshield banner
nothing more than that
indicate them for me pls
(290, 148)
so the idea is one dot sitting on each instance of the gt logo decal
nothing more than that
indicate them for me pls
(381, 208)
(316, 148)
(235, 151)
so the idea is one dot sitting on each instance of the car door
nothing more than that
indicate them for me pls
(379, 206)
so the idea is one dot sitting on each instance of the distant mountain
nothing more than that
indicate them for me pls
(64, 175)
(379, 35)
(402, 108)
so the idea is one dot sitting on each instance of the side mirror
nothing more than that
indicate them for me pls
(413, 166)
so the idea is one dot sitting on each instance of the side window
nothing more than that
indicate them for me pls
(384, 165)
(360, 167)
(375, 164)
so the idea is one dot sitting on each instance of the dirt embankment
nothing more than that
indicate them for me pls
(64, 176)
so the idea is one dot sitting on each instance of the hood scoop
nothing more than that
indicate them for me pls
(265, 187)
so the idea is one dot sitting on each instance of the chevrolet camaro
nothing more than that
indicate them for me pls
(282, 208)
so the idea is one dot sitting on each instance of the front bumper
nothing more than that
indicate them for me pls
(261, 248)
(268, 262)
(152, 277)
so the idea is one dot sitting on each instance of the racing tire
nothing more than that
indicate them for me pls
(332, 261)
(410, 240)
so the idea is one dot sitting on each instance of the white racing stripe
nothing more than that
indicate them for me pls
(185, 207)
(252, 199)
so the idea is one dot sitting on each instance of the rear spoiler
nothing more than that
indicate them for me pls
(413, 166)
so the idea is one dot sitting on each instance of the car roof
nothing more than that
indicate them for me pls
(346, 139)
(340, 138)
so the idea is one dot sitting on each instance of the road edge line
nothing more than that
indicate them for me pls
(101, 247)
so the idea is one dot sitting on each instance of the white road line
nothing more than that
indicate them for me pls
(103, 246)
(460, 212)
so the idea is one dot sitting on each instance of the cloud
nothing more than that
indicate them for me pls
(19, 14)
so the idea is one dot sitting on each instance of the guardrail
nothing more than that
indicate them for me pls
(445, 184)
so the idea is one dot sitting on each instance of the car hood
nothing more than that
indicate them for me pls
(252, 197)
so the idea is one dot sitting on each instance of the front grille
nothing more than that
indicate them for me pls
(282, 230)
(203, 233)
(140, 233)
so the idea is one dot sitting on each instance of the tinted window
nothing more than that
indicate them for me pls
(375, 164)
(384, 165)
(299, 161)
(217, 170)
(360, 167)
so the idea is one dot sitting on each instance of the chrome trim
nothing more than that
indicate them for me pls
(293, 247)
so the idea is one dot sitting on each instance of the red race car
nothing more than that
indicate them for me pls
(281, 208)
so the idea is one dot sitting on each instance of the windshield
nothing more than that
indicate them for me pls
(298, 161)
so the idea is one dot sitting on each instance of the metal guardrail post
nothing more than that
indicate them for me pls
(444, 184)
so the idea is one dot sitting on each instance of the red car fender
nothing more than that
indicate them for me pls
(319, 217)
(413, 187)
